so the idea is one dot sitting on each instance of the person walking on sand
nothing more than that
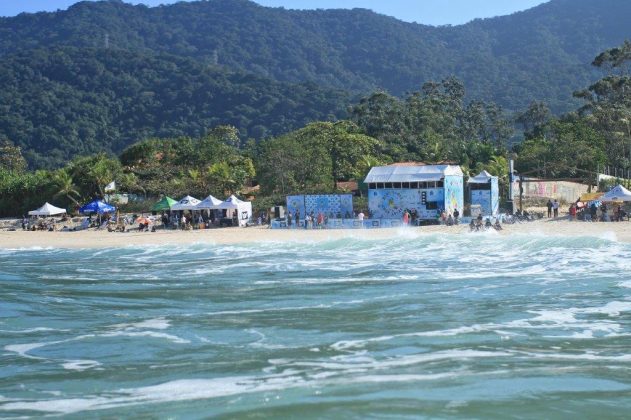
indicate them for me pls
(555, 208)
(549, 205)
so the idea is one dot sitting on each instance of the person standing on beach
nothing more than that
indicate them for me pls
(555, 208)
(320, 220)
(549, 205)
(406, 217)
(289, 219)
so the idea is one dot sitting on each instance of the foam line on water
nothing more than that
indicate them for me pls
(196, 389)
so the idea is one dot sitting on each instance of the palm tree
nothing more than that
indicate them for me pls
(65, 186)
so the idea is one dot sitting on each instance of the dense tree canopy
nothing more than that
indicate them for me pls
(64, 102)
(539, 54)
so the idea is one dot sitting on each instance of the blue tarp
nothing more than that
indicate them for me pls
(97, 206)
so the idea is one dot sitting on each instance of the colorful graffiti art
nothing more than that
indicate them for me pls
(296, 203)
(483, 199)
(390, 204)
(454, 193)
(331, 205)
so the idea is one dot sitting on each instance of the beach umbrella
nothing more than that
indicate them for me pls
(165, 204)
(97, 206)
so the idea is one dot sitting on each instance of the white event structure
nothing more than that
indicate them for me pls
(209, 203)
(47, 210)
(243, 208)
(617, 193)
(186, 203)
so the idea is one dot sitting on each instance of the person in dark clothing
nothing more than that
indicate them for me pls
(593, 210)
(549, 206)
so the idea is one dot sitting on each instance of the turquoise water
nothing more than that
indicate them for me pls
(456, 326)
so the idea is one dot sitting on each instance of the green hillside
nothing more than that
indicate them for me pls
(102, 75)
(63, 102)
(539, 54)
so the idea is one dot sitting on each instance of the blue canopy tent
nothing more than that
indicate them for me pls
(97, 206)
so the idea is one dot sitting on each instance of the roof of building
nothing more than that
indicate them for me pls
(411, 173)
(482, 178)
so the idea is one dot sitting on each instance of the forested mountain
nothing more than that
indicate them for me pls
(64, 101)
(539, 54)
(102, 75)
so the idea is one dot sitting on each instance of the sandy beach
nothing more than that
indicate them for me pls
(103, 239)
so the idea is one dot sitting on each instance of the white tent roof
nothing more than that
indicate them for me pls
(231, 202)
(418, 173)
(244, 208)
(617, 193)
(187, 203)
(47, 210)
(209, 203)
(482, 178)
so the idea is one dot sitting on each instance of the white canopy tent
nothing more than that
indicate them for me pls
(209, 203)
(186, 203)
(482, 178)
(47, 210)
(243, 208)
(617, 193)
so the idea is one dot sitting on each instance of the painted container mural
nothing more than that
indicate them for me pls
(390, 204)
(454, 194)
(487, 199)
(331, 205)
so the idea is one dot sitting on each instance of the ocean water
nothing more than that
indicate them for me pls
(468, 326)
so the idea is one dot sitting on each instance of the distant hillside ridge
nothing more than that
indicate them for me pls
(60, 102)
(539, 54)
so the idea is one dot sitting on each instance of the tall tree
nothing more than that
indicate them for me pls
(11, 158)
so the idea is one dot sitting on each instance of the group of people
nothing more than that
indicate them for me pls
(478, 225)
(553, 208)
(450, 219)
(37, 223)
(595, 213)
(317, 221)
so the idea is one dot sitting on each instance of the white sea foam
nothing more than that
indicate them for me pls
(152, 334)
(152, 324)
(196, 389)
(31, 330)
(80, 364)
(23, 349)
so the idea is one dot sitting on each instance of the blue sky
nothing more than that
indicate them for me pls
(431, 12)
